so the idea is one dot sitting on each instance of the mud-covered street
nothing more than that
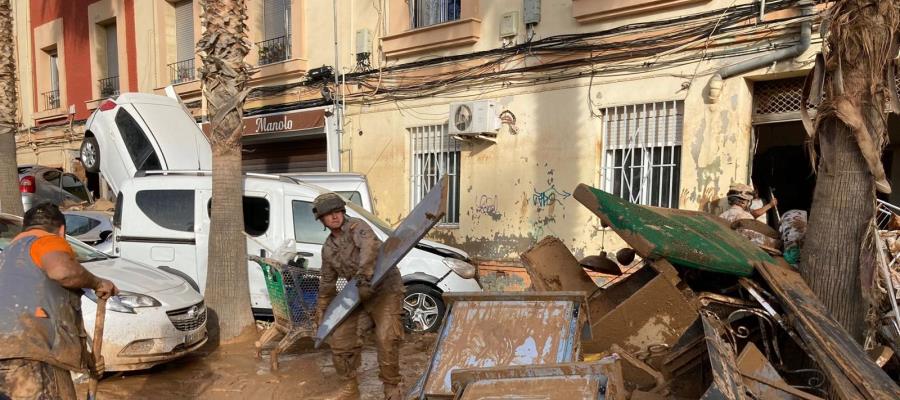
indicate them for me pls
(234, 372)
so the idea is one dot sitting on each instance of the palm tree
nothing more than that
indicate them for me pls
(10, 199)
(224, 74)
(838, 260)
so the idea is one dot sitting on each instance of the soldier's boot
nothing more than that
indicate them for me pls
(349, 390)
(392, 392)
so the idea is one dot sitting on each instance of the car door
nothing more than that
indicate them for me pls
(138, 152)
(48, 186)
(156, 227)
(73, 189)
(261, 235)
(301, 224)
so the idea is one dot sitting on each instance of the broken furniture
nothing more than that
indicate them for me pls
(292, 291)
(504, 329)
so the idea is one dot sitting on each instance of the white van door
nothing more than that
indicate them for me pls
(156, 227)
(301, 224)
(260, 236)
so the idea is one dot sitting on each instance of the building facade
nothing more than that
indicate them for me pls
(663, 102)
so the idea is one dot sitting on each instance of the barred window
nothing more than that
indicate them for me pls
(642, 160)
(432, 12)
(435, 154)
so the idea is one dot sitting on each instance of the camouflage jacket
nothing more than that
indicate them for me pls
(352, 254)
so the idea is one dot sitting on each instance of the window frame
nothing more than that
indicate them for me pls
(432, 153)
(294, 223)
(445, 11)
(643, 141)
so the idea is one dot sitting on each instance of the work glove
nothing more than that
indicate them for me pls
(365, 291)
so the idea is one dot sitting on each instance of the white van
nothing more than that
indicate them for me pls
(162, 219)
(352, 186)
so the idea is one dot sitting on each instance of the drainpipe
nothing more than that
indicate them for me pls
(717, 80)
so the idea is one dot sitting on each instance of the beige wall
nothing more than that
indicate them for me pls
(558, 142)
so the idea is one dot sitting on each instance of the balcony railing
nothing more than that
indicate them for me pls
(182, 71)
(51, 99)
(109, 87)
(274, 50)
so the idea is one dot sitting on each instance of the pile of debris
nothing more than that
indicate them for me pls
(709, 315)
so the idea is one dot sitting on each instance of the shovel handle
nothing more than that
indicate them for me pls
(96, 348)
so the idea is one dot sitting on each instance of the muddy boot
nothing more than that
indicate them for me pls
(392, 392)
(349, 390)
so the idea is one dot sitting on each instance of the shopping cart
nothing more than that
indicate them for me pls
(293, 290)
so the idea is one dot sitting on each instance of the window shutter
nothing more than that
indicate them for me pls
(277, 16)
(112, 51)
(184, 30)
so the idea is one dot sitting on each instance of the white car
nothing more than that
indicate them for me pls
(91, 227)
(157, 317)
(162, 219)
(138, 132)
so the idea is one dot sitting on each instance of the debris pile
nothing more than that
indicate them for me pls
(710, 314)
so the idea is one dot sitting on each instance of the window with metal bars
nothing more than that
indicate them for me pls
(435, 154)
(642, 160)
(432, 12)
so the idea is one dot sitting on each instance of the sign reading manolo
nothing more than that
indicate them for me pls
(279, 123)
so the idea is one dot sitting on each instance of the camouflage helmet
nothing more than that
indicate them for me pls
(740, 191)
(327, 203)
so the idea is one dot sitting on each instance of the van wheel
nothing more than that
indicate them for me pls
(90, 154)
(424, 308)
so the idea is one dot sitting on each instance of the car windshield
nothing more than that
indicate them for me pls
(378, 222)
(10, 227)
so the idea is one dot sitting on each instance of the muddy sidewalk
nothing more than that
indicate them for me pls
(234, 372)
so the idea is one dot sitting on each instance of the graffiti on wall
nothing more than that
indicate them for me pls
(549, 197)
(487, 205)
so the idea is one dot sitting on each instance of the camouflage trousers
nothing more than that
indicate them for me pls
(34, 380)
(386, 311)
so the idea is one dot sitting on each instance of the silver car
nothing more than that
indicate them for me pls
(38, 183)
(91, 227)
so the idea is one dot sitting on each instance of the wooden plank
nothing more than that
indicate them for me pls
(422, 218)
(552, 267)
(849, 370)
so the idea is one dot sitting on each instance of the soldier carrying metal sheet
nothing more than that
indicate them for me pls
(350, 252)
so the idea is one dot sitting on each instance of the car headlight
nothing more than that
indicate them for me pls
(462, 268)
(125, 302)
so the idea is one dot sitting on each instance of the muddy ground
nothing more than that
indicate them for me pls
(234, 372)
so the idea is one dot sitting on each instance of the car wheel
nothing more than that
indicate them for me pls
(90, 154)
(424, 308)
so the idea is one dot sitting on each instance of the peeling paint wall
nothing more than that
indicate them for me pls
(519, 189)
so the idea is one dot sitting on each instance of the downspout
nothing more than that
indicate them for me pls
(717, 80)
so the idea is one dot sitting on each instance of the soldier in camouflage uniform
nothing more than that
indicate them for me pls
(350, 252)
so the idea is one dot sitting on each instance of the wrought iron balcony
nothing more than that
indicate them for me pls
(274, 50)
(109, 87)
(51, 99)
(182, 71)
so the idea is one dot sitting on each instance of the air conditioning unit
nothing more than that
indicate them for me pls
(474, 119)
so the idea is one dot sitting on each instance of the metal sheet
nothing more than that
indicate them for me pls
(422, 218)
(849, 370)
(601, 368)
(727, 381)
(544, 388)
(493, 333)
(688, 238)
(552, 267)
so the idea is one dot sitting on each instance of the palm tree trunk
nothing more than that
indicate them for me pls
(10, 198)
(851, 130)
(224, 74)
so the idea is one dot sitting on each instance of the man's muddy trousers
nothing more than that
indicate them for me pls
(386, 310)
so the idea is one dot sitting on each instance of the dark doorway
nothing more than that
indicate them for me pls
(781, 166)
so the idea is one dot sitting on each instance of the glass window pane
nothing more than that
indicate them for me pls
(139, 148)
(353, 197)
(52, 177)
(79, 225)
(170, 209)
(306, 228)
(256, 215)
